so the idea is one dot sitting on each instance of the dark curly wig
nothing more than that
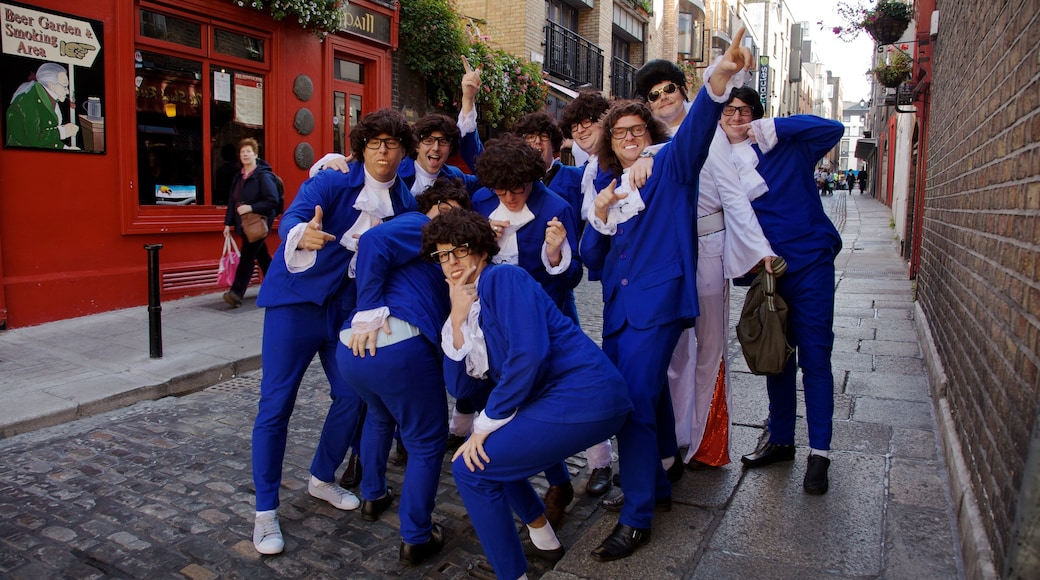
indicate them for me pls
(587, 105)
(655, 128)
(433, 123)
(538, 123)
(387, 121)
(444, 189)
(457, 228)
(509, 162)
(751, 97)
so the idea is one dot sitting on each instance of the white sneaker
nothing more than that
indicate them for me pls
(267, 534)
(337, 497)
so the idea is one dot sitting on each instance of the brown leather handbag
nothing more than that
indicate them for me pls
(254, 226)
(762, 328)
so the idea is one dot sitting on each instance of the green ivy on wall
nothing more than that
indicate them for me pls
(433, 38)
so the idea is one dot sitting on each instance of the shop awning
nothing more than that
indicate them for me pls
(865, 148)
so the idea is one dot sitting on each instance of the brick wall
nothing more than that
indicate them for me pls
(979, 280)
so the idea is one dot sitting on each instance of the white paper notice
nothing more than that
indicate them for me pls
(222, 87)
(249, 99)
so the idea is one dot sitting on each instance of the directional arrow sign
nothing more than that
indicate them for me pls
(46, 36)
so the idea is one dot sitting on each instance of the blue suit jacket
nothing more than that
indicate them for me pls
(391, 272)
(545, 205)
(649, 265)
(540, 361)
(335, 192)
(567, 184)
(791, 213)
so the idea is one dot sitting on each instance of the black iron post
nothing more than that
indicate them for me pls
(154, 308)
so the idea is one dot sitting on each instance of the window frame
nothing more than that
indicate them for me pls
(143, 219)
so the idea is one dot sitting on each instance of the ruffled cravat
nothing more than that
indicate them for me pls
(508, 249)
(622, 210)
(374, 203)
(423, 180)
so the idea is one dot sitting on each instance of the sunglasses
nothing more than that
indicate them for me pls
(665, 90)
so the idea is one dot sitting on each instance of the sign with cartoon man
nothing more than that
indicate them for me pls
(47, 59)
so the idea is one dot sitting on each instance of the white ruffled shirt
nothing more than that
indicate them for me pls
(620, 211)
(375, 205)
(474, 352)
(423, 180)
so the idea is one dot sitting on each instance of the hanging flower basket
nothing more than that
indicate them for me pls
(886, 29)
(895, 72)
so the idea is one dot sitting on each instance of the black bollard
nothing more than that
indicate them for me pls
(154, 308)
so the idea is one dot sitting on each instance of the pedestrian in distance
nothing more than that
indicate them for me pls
(253, 190)
(798, 229)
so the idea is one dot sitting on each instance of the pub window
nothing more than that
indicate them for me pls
(192, 109)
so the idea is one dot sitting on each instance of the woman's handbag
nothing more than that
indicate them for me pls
(228, 262)
(254, 226)
(762, 329)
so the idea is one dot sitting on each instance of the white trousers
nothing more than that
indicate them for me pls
(694, 368)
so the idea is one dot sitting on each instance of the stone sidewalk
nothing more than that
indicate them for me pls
(162, 487)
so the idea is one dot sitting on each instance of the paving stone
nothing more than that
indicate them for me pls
(908, 414)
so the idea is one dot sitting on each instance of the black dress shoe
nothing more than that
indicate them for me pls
(352, 474)
(614, 504)
(695, 465)
(621, 543)
(370, 510)
(557, 498)
(767, 454)
(675, 472)
(599, 482)
(532, 551)
(415, 554)
(816, 482)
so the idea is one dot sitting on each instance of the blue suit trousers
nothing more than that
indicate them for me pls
(809, 293)
(403, 386)
(293, 334)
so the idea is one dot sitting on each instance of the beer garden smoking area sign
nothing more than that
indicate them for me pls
(50, 37)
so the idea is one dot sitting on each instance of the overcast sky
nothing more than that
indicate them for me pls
(848, 60)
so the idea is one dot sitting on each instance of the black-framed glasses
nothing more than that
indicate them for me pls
(515, 191)
(665, 90)
(440, 141)
(730, 110)
(536, 137)
(375, 142)
(442, 256)
(636, 131)
(584, 124)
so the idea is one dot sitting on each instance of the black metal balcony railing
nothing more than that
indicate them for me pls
(572, 57)
(622, 79)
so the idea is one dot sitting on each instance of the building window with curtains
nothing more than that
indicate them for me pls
(199, 91)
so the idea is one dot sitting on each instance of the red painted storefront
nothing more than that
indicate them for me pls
(73, 224)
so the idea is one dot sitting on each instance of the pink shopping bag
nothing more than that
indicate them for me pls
(228, 263)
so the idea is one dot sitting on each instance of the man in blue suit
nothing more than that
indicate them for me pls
(798, 229)
(308, 293)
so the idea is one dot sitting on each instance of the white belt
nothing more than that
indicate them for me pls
(399, 331)
(711, 223)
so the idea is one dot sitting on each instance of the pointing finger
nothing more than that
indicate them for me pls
(465, 64)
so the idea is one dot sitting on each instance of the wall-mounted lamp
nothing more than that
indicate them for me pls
(171, 109)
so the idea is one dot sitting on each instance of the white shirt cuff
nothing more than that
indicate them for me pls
(448, 343)
(468, 123)
(739, 79)
(321, 163)
(369, 320)
(297, 261)
(486, 426)
(565, 259)
(765, 134)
